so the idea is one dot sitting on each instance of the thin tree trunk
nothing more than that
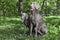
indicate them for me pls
(58, 4)
(43, 4)
(20, 6)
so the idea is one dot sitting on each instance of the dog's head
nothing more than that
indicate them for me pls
(34, 5)
(24, 17)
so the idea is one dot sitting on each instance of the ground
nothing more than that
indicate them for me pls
(11, 28)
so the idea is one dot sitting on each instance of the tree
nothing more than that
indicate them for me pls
(20, 6)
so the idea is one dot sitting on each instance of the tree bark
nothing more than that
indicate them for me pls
(20, 6)
(58, 4)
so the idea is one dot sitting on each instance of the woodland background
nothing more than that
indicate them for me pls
(11, 27)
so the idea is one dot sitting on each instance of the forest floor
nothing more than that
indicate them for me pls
(11, 28)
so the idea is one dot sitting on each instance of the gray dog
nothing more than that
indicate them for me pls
(36, 20)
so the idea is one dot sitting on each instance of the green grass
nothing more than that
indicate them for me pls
(11, 28)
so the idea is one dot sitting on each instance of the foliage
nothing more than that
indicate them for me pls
(9, 7)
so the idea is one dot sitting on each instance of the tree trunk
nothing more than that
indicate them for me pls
(20, 6)
(58, 4)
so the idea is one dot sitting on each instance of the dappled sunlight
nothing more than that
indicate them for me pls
(9, 22)
(51, 16)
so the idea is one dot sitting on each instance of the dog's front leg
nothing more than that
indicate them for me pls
(31, 28)
(24, 30)
(36, 29)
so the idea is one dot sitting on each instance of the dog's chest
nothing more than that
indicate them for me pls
(35, 18)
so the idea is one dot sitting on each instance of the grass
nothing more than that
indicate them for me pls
(11, 28)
